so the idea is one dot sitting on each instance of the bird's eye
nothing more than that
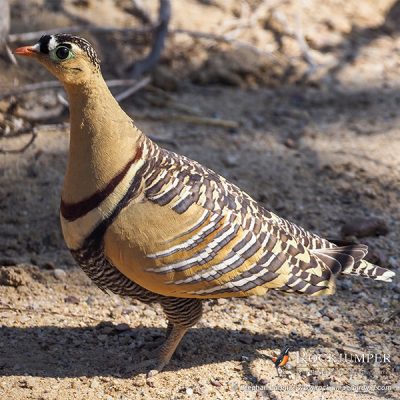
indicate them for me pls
(62, 52)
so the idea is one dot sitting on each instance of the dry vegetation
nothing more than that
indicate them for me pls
(295, 101)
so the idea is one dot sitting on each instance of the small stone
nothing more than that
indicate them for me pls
(247, 339)
(230, 160)
(60, 274)
(149, 313)
(244, 358)
(263, 382)
(189, 391)
(215, 382)
(122, 327)
(95, 383)
(90, 300)
(71, 300)
(107, 330)
(48, 265)
(290, 143)
(346, 284)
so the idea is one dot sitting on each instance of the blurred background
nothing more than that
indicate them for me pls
(295, 101)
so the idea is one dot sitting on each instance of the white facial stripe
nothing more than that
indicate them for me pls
(36, 48)
(52, 43)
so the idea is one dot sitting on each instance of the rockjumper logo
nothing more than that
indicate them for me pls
(342, 358)
(322, 363)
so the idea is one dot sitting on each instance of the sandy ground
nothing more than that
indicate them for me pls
(320, 149)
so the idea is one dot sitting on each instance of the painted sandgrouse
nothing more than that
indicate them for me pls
(145, 222)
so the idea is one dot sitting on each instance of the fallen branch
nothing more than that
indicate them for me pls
(56, 85)
(23, 148)
(160, 34)
(136, 87)
(41, 115)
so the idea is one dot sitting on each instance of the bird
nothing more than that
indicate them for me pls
(145, 222)
(281, 360)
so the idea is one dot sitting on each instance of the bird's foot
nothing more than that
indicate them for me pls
(153, 366)
(167, 349)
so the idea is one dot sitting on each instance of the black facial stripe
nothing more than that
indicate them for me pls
(44, 44)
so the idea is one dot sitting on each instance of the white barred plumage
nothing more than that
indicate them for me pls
(148, 223)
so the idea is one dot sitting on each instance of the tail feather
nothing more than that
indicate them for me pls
(349, 260)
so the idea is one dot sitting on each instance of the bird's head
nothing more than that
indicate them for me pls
(71, 59)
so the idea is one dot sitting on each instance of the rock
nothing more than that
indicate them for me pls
(247, 339)
(290, 143)
(215, 382)
(189, 391)
(71, 300)
(60, 274)
(362, 227)
(13, 277)
(231, 160)
(90, 300)
(95, 383)
(122, 327)
(346, 284)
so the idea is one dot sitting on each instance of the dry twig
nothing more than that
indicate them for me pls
(160, 34)
(133, 89)
(55, 85)
(33, 132)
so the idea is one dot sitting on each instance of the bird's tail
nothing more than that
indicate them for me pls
(349, 260)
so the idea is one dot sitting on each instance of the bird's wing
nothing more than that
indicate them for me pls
(232, 246)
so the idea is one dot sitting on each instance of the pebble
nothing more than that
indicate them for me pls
(122, 327)
(346, 284)
(95, 383)
(189, 391)
(149, 313)
(90, 300)
(246, 339)
(60, 274)
(231, 160)
(290, 143)
(215, 382)
(71, 300)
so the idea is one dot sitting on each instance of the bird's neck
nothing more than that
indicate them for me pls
(103, 139)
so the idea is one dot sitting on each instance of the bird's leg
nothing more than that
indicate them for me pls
(155, 346)
(182, 314)
(168, 348)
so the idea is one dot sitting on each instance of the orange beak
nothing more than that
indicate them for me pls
(27, 51)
